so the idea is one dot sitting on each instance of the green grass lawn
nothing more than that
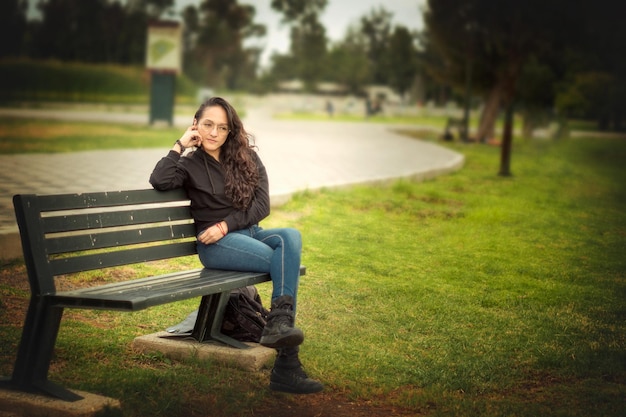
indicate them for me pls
(467, 295)
(51, 136)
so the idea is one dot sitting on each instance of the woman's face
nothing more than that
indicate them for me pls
(213, 129)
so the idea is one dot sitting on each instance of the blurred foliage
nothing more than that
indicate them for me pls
(533, 53)
(28, 80)
(552, 59)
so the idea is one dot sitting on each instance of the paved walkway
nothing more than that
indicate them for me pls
(298, 156)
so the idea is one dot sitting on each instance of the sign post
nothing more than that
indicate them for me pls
(163, 61)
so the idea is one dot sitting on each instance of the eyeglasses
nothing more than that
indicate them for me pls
(208, 127)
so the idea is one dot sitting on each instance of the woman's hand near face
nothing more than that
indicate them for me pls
(191, 137)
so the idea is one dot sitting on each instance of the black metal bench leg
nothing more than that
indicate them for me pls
(39, 335)
(209, 322)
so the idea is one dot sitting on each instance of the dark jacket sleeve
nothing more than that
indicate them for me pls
(167, 173)
(260, 207)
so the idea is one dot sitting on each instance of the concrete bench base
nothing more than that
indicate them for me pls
(177, 348)
(23, 404)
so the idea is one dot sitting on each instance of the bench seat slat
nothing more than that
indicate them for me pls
(139, 294)
(123, 257)
(142, 293)
(92, 241)
(101, 220)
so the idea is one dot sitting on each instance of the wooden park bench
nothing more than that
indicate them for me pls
(70, 233)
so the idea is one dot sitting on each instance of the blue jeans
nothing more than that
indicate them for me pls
(276, 251)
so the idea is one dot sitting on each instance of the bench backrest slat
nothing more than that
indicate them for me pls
(100, 219)
(107, 199)
(121, 257)
(68, 233)
(93, 241)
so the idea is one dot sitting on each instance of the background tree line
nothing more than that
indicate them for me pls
(535, 54)
(545, 58)
(215, 41)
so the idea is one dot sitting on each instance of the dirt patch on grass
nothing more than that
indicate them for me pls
(328, 404)
(14, 294)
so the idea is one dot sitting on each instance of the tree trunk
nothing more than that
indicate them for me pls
(507, 141)
(489, 115)
(507, 83)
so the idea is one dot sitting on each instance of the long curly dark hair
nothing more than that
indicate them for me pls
(236, 156)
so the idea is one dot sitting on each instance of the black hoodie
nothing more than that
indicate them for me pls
(203, 179)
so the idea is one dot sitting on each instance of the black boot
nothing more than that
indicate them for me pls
(288, 375)
(279, 331)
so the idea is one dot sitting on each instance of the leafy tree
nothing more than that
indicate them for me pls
(127, 44)
(308, 47)
(402, 58)
(497, 40)
(214, 43)
(590, 94)
(12, 26)
(391, 51)
(191, 25)
(594, 80)
(377, 30)
(433, 71)
(283, 67)
(308, 38)
(154, 9)
(294, 10)
(535, 96)
(157, 8)
(80, 30)
(348, 63)
(372, 52)
(69, 31)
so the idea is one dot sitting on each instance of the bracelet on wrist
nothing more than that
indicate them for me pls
(179, 143)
